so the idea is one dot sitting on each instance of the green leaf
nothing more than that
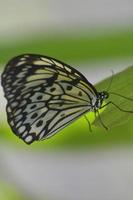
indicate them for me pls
(8, 192)
(122, 84)
(91, 46)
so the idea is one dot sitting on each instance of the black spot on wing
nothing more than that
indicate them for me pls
(52, 79)
(69, 87)
(39, 123)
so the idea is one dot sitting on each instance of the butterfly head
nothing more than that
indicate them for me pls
(100, 98)
(103, 95)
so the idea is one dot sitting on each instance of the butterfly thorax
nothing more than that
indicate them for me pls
(99, 101)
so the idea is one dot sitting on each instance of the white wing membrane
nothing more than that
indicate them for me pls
(43, 96)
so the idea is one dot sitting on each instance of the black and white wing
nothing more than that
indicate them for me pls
(43, 96)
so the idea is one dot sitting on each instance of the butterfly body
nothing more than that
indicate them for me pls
(44, 95)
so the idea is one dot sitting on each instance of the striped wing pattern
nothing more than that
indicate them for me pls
(43, 96)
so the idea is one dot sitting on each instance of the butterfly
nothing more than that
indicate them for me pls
(44, 95)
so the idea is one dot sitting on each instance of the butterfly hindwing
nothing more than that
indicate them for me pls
(44, 95)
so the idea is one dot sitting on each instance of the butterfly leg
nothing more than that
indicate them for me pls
(99, 117)
(110, 102)
(88, 123)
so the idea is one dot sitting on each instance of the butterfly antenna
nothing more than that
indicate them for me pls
(121, 109)
(130, 99)
(111, 80)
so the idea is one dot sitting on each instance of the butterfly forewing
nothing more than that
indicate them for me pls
(44, 95)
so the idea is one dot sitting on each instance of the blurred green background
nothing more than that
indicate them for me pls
(94, 37)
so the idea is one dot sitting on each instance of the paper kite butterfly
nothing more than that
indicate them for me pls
(44, 95)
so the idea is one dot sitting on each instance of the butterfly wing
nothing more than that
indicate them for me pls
(44, 95)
